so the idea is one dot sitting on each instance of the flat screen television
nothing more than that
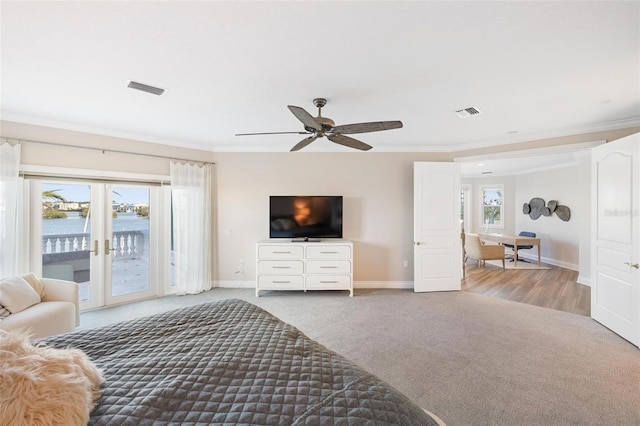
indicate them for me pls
(307, 218)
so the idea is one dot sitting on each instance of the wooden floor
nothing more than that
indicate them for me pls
(555, 288)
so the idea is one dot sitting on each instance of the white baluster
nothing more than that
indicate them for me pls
(57, 245)
(135, 245)
(47, 245)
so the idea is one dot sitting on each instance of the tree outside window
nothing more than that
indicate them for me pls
(492, 201)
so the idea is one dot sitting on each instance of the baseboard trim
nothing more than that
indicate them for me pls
(234, 284)
(584, 280)
(549, 261)
(356, 284)
(383, 284)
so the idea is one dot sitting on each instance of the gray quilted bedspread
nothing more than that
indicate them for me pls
(230, 362)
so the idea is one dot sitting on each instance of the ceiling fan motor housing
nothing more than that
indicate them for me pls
(326, 123)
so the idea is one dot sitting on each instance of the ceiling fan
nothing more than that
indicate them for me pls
(321, 126)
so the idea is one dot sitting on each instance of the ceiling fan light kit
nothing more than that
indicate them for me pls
(320, 126)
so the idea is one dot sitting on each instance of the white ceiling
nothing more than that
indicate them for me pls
(540, 69)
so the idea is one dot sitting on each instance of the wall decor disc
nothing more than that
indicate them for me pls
(545, 211)
(563, 213)
(536, 203)
(552, 204)
(535, 213)
(526, 208)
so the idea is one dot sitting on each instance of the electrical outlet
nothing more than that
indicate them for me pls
(406, 263)
(242, 266)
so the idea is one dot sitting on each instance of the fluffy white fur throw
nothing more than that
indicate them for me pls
(45, 386)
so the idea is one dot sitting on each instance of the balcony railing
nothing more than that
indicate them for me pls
(125, 244)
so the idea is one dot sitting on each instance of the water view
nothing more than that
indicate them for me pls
(75, 224)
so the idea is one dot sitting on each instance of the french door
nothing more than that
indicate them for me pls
(103, 236)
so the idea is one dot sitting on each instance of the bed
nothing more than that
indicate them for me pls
(230, 362)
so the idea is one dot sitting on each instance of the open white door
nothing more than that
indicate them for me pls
(437, 248)
(615, 236)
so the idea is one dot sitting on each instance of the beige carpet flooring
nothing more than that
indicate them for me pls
(468, 358)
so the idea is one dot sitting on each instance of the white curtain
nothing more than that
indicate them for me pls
(9, 174)
(191, 201)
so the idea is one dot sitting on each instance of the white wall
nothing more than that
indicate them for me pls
(560, 241)
(378, 207)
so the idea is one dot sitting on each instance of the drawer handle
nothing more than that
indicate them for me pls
(282, 252)
(281, 267)
(329, 252)
(328, 267)
(281, 282)
(328, 282)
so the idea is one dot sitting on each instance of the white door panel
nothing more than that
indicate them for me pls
(615, 292)
(437, 248)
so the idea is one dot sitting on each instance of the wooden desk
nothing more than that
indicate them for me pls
(515, 240)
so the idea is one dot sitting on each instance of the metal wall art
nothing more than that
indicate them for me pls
(536, 207)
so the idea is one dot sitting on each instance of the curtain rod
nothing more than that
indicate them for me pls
(110, 150)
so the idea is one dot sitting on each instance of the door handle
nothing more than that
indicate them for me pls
(96, 248)
(417, 243)
(633, 265)
(107, 250)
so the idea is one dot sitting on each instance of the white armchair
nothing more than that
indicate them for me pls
(57, 312)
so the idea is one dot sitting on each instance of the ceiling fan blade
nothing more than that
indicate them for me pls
(305, 117)
(272, 133)
(304, 142)
(350, 142)
(374, 126)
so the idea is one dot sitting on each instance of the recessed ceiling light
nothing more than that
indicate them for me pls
(480, 164)
(145, 88)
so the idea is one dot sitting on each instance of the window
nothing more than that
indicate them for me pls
(492, 201)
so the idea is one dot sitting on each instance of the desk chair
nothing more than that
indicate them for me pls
(515, 254)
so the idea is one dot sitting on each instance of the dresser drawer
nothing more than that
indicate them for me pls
(328, 266)
(328, 252)
(284, 252)
(280, 282)
(328, 282)
(280, 267)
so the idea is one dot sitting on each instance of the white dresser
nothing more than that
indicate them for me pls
(286, 265)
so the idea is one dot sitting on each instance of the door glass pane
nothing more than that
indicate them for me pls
(129, 240)
(66, 234)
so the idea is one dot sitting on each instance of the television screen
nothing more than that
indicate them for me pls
(305, 217)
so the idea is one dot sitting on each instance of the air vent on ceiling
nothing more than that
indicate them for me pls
(145, 87)
(467, 112)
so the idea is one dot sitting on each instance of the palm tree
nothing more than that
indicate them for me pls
(47, 203)
(53, 195)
